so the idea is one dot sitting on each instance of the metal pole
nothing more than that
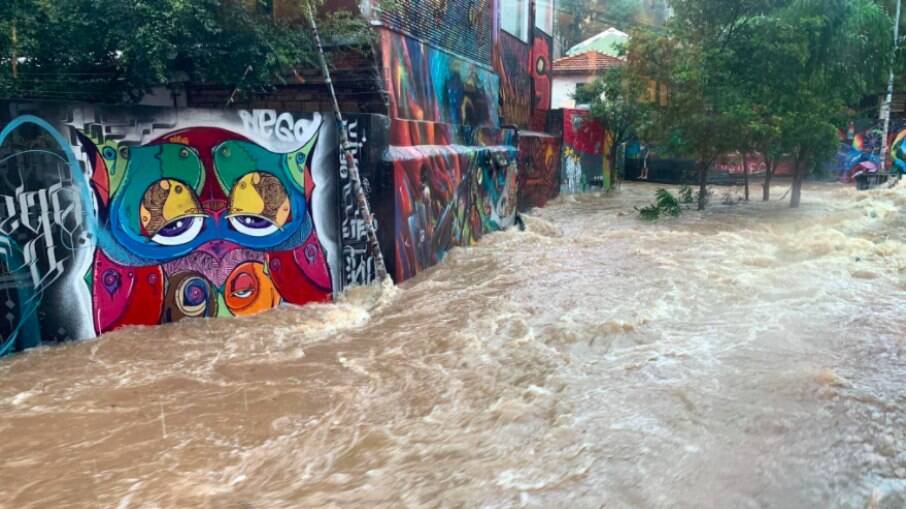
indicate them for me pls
(348, 153)
(885, 108)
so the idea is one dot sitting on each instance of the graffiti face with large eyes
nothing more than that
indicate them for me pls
(170, 213)
(224, 221)
(259, 205)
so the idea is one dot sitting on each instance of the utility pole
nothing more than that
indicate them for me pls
(347, 149)
(885, 107)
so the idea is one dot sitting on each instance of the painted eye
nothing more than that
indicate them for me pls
(179, 231)
(256, 226)
(109, 153)
(194, 296)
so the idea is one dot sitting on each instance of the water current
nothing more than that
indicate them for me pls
(748, 356)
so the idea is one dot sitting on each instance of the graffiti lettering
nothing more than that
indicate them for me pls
(38, 213)
(283, 127)
(358, 262)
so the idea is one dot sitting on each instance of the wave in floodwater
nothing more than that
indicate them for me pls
(747, 356)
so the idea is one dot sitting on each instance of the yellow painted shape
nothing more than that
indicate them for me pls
(245, 198)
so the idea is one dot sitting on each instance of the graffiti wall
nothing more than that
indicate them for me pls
(860, 149)
(582, 164)
(448, 196)
(454, 171)
(430, 85)
(540, 67)
(511, 61)
(142, 216)
(539, 169)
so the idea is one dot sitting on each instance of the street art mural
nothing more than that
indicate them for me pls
(454, 171)
(539, 170)
(860, 149)
(430, 85)
(582, 164)
(448, 197)
(511, 61)
(146, 216)
(540, 67)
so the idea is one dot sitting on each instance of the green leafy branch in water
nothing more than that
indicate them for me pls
(666, 204)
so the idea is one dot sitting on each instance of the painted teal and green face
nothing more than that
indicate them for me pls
(203, 222)
(173, 198)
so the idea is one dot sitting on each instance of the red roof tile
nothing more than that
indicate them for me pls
(585, 63)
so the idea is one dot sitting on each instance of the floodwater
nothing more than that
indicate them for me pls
(751, 356)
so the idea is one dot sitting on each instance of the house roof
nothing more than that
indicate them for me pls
(586, 63)
(607, 42)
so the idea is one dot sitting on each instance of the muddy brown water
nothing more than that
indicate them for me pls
(750, 356)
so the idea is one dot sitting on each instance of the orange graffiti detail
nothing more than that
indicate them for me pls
(249, 290)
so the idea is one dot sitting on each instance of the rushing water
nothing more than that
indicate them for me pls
(750, 356)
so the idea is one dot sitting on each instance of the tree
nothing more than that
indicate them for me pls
(578, 20)
(778, 73)
(829, 53)
(115, 51)
(694, 59)
(616, 100)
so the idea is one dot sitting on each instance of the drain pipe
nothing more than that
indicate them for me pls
(348, 150)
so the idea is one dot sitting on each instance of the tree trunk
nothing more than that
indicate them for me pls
(14, 41)
(702, 185)
(798, 176)
(768, 174)
(745, 174)
(613, 166)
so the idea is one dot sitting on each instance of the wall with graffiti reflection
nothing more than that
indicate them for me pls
(141, 216)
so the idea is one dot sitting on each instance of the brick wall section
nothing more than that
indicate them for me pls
(356, 81)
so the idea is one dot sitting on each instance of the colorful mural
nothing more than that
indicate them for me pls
(448, 197)
(583, 158)
(511, 61)
(539, 170)
(146, 216)
(540, 67)
(430, 85)
(860, 148)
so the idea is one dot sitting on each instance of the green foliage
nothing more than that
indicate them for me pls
(115, 50)
(649, 213)
(578, 20)
(665, 204)
(767, 75)
(685, 195)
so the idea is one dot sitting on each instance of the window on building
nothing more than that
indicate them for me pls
(544, 16)
(514, 18)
